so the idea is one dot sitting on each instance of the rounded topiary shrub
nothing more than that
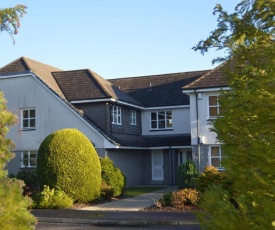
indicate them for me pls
(68, 161)
(112, 176)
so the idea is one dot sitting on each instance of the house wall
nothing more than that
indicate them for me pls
(126, 127)
(135, 164)
(201, 152)
(51, 115)
(181, 122)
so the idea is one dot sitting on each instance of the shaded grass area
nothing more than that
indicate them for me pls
(136, 191)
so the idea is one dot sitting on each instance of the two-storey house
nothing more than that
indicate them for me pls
(146, 124)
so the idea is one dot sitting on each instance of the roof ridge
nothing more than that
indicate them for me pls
(203, 76)
(26, 62)
(96, 76)
(157, 75)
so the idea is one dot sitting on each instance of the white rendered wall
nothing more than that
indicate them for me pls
(51, 113)
(181, 122)
(203, 117)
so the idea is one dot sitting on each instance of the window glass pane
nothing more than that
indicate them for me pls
(215, 151)
(153, 124)
(216, 162)
(25, 114)
(32, 113)
(153, 116)
(25, 123)
(213, 112)
(32, 123)
(161, 124)
(161, 115)
(25, 159)
(169, 123)
(33, 159)
(213, 100)
(169, 114)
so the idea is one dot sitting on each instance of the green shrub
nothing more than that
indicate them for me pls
(186, 174)
(67, 161)
(210, 176)
(29, 176)
(184, 197)
(106, 191)
(51, 198)
(112, 176)
(166, 200)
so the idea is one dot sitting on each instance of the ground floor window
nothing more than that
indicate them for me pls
(28, 159)
(216, 155)
(184, 156)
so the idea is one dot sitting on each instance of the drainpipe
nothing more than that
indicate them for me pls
(198, 130)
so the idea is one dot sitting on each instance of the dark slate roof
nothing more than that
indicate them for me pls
(87, 85)
(43, 71)
(151, 141)
(158, 90)
(212, 79)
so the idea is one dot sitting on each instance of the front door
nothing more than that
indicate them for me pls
(157, 164)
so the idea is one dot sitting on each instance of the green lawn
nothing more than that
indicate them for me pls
(136, 191)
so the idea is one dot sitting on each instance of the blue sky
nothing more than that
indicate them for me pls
(115, 38)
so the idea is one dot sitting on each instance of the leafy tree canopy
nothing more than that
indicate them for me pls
(246, 126)
(10, 19)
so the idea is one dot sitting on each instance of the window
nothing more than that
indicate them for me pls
(216, 157)
(133, 117)
(28, 159)
(161, 120)
(28, 118)
(214, 106)
(116, 115)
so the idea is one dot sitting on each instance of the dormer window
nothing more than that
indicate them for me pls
(116, 115)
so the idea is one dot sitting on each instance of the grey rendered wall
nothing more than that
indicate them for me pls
(135, 164)
(204, 160)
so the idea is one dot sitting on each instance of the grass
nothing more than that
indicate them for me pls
(136, 191)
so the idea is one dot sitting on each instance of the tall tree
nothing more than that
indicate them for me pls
(246, 126)
(10, 19)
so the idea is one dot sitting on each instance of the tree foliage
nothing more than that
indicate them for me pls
(13, 206)
(10, 19)
(246, 126)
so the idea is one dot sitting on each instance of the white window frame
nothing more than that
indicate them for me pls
(167, 120)
(29, 159)
(116, 115)
(220, 156)
(133, 117)
(216, 106)
(28, 119)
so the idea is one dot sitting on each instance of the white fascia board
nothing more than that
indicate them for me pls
(168, 107)
(160, 147)
(16, 75)
(94, 100)
(205, 90)
(62, 101)
(131, 105)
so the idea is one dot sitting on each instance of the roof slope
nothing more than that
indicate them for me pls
(87, 85)
(158, 90)
(43, 71)
(212, 79)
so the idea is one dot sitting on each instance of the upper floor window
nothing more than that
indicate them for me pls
(216, 156)
(161, 120)
(116, 115)
(214, 106)
(28, 118)
(133, 117)
(28, 159)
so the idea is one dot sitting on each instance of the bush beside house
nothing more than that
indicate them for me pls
(68, 161)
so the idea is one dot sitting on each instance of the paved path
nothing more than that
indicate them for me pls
(134, 203)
